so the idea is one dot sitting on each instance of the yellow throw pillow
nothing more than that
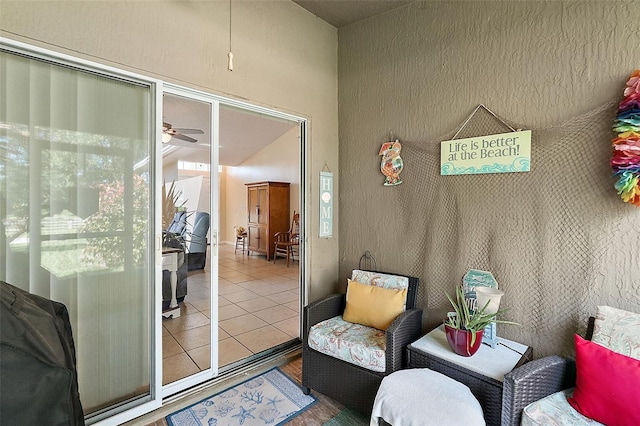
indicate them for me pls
(373, 306)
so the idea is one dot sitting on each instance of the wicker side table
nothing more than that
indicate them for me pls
(483, 372)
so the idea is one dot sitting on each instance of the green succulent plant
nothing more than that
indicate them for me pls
(471, 320)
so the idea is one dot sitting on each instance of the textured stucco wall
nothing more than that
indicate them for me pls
(284, 57)
(417, 72)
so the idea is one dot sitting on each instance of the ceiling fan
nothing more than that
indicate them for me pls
(169, 132)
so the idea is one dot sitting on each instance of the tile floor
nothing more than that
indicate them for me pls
(258, 308)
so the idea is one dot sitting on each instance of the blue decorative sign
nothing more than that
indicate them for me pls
(326, 204)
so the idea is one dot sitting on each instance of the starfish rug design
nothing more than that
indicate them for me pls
(271, 398)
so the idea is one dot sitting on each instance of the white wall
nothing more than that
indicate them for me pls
(285, 58)
(279, 161)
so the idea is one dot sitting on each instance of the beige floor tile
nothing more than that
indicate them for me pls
(246, 284)
(230, 350)
(185, 322)
(260, 274)
(239, 277)
(170, 346)
(241, 296)
(201, 356)
(292, 285)
(177, 367)
(229, 289)
(226, 266)
(283, 297)
(230, 311)
(187, 308)
(201, 304)
(263, 338)
(194, 338)
(291, 326)
(257, 304)
(223, 301)
(222, 334)
(294, 304)
(275, 314)
(242, 324)
(266, 290)
(250, 285)
(198, 293)
(202, 280)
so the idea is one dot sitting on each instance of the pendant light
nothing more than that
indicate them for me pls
(230, 55)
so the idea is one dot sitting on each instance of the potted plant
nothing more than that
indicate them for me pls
(465, 327)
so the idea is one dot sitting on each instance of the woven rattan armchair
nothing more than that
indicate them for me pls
(536, 380)
(352, 385)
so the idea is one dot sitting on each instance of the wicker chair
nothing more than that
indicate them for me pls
(352, 385)
(536, 380)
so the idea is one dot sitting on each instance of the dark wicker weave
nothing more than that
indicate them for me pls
(488, 391)
(536, 380)
(354, 386)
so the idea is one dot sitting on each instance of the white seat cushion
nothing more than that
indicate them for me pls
(420, 397)
(355, 343)
(554, 410)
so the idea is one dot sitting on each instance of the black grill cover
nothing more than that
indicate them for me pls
(38, 377)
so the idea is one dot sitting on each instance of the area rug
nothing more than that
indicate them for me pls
(348, 417)
(271, 398)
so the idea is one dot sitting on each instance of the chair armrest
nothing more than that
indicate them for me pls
(533, 381)
(405, 329)
(320, 310)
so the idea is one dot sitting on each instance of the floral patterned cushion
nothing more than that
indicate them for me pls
(618, 330)
(554, 410)
(358, 344)
(380, 280)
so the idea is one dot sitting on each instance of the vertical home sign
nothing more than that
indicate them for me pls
(326, 204)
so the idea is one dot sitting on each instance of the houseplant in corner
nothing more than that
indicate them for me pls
(465, 327)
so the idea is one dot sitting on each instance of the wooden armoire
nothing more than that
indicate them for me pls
(268, 211)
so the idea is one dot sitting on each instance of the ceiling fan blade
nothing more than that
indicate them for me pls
(189, 131)
(183, 137)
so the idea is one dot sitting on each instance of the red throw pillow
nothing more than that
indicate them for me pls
(607, 384)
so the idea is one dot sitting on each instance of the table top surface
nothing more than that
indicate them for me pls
(488, 361)
(169, 250)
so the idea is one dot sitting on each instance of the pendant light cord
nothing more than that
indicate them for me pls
(230, 55)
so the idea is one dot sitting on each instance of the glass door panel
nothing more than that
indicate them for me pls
(75, 191)
(187, 193)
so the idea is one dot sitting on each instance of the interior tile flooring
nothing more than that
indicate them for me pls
(258, 308)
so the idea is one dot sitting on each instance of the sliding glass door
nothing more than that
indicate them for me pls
(189, 200)
(84, 155)
(77, 218)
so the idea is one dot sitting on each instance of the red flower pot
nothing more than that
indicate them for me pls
(460, 340)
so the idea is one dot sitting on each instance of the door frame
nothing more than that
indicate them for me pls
(157, 87)
(174, 388)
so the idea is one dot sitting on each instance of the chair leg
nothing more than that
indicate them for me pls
(288, 252)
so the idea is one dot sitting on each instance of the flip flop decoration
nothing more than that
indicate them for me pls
(626, 147)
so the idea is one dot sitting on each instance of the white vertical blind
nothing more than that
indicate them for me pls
(75, 218)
